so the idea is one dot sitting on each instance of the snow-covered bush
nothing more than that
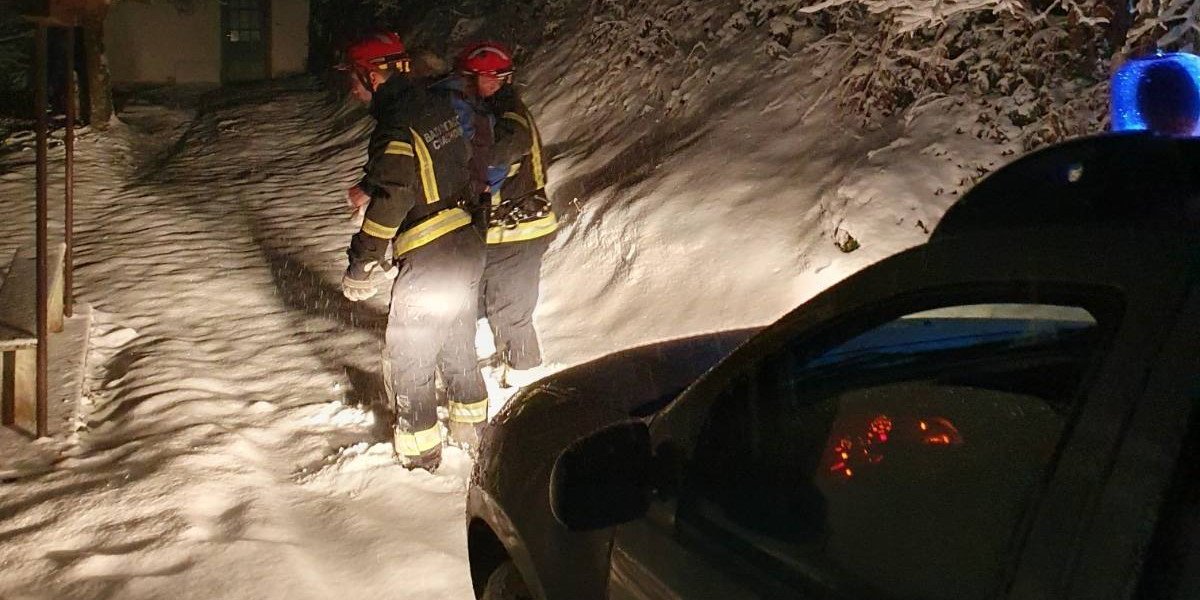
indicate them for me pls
(1171, 24)
(1038, 68)
(1015, 57)
(657, 52)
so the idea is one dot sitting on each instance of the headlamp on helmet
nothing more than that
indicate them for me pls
(382, 51)
(486, 58)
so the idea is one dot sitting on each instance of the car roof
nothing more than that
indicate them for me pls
(1124, 179)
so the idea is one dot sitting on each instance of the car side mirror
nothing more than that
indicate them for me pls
(603, 479)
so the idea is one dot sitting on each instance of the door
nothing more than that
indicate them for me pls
(897, 437)
(1148, 520)
(245, 40)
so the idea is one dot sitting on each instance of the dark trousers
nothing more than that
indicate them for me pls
(431, 328)
(510, 293)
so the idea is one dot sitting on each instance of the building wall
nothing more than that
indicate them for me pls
(289, 37)
(155, 42)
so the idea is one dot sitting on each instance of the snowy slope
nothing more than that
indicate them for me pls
(718, 187)
(224, 448)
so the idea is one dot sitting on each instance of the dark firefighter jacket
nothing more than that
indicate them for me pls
(518, 174)
(416, 171)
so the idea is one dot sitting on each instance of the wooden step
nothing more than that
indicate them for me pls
(18, 293)
(18, 388)
(18, 334)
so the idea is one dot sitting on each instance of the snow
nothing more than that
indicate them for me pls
(225, 447)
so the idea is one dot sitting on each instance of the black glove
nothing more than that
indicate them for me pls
(479, 210)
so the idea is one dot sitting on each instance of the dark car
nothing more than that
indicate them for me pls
(1006, 411)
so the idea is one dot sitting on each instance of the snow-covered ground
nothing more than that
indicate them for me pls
(223, 370)
(225, 447)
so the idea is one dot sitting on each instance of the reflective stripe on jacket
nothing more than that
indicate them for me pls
(417, 169)
(522, 173)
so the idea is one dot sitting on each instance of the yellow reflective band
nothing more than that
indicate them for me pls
(476, 412)
(403, 65)
(517, 117)
(416, 444)
(528, 230)
(431, 229)
(425, 162)
(403, 148)
(535, 157)
(382, 232)
(535, 147)
(513, 168)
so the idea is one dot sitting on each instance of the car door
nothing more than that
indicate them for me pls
(1146, 530)
(904, 434)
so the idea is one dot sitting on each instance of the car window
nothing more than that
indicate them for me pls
(900, 462)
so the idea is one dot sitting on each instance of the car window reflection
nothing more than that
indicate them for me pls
(903, 461)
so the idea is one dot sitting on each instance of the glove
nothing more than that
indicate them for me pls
(363, 278)
(478, 209)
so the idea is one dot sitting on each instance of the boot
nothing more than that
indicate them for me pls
(490, 361)
(429, 460)
(519, 378)
(465, 436)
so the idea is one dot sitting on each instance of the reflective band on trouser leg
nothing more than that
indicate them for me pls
(416, 444)
(431, 229)
(523, 231)
(475, 412)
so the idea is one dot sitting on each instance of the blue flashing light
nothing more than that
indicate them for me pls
(1159, 93)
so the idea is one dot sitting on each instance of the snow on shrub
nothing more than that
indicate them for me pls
(1038, 72)
(1037, 69)
(1171, 24)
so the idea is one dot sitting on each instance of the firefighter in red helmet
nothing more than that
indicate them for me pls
(421, 194)
(521, 221)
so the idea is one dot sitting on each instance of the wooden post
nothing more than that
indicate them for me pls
(69, 181)
(100, 84)
(43, 295)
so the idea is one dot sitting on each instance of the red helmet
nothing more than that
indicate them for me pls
(486, 58)
(382, 50)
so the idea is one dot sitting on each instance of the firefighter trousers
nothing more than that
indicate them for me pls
(509, 295)
(431, 329)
